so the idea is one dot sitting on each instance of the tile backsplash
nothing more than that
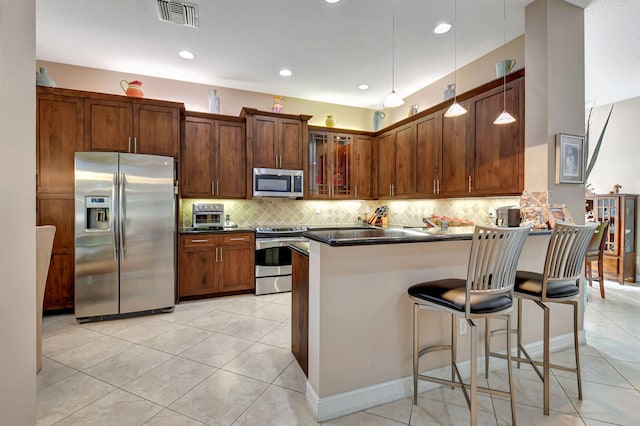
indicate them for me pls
(276, 211)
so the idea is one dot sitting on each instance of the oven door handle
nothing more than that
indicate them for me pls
(276, 242)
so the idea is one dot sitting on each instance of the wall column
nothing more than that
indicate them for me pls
(17, 213)
(554, 100)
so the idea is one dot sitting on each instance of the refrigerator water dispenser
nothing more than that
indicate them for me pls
(97, 213)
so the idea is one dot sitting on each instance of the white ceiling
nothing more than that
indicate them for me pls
(331, 48)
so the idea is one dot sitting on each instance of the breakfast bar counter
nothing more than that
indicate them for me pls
(359, 314)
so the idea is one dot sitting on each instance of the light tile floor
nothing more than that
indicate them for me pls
(227, 361)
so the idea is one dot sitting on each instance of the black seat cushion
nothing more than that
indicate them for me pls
(451, 293)
(530, 283)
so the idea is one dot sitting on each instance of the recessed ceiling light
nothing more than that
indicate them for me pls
(363, 87)
(332, 1)
(285, 72)
(185, 54)
(442, 28)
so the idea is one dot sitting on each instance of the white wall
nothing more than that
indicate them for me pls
(17, 213)
(619, 158)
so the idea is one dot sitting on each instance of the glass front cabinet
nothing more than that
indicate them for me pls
(620, 245)
(339, 165)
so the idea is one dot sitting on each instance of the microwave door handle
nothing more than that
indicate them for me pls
(123, 216)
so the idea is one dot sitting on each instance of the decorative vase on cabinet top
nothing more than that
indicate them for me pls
(43, 79)
(377, 120)
(278, 104)
(330, 121)
(132, 88)
(214, 102)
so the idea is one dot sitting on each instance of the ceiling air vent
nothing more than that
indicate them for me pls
(178, 13)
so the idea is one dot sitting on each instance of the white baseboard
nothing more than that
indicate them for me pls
(342, 404)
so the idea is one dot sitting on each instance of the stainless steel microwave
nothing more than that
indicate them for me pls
(277, 183)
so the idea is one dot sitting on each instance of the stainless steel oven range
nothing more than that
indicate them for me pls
(273, 257)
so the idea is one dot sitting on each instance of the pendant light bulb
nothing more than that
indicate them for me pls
(393, 100)
(455, 110)
(504, 117)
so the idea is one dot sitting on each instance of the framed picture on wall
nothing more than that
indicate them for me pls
(570, 158)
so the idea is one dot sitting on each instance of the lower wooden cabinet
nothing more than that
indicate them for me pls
(57, 209)
(300, 309)
(211, 264)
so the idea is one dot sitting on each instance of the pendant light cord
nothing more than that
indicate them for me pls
(393, 46)
(504, 53)
(455, 50)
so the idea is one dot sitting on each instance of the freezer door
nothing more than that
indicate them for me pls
(147, 233)
(96, 254)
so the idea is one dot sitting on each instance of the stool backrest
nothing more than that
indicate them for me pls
(493, 259)
(598, 240)
(566, 251)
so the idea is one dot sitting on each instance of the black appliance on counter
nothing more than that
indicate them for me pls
(273, 257)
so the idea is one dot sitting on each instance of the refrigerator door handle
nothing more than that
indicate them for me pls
(112, 221)
(122, 216)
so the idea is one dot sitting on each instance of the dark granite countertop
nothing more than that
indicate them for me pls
(215, 230)
(368, 236)
(301, 247)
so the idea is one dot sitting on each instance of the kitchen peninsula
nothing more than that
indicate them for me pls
(359, 315)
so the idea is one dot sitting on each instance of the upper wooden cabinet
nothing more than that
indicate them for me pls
(459, 156)
(275, 141)
(213, 157)
(132, 125)
(59, 135)
(339, 165)
(498, 160)
(396, 162)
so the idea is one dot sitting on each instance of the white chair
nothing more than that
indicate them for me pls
(486, 292)
(44, 246)
(559, 282)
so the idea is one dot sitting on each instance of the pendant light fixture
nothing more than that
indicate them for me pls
(455, 109)
(504, 117)
(393, 100)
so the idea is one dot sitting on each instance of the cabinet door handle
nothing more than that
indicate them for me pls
(434, 186)
(135, 144)
(437, 186)
(469, 183)
(276, 161)
(213, 187)
(220, 254)
(199, 241)
(129, 149)
(237, 239)
(280, 160)
(217, 187)
(355, 191)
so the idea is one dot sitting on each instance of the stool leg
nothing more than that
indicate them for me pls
(545, 358)
(576, 346)
(454, 347)
(510, 372)
(519, 328)
(416, 334)
(487, 350)
(473, 328)
(601, 276)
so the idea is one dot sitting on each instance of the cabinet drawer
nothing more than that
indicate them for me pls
(199, 241)
(238, 238)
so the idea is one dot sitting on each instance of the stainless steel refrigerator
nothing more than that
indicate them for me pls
(125, 233)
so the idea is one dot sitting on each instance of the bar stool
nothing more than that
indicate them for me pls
(595, 253)
(559, 283)
(486, 292)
